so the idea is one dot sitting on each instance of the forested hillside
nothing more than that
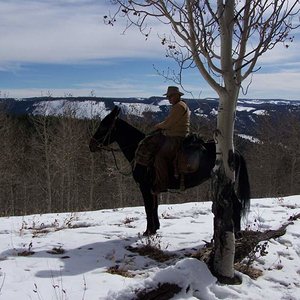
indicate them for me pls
(46, 165)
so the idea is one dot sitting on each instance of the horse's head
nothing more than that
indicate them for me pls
(105, 134)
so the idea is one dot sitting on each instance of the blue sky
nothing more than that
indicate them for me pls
(62, 47)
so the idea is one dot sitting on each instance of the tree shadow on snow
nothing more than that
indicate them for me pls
(79, 260)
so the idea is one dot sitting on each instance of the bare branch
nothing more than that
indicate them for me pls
(222, 39)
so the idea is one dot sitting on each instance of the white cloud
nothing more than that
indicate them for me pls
(72, 31)
(279, 73)
(281, 55)
(283, 85)
(102, 89)
(276, 85)
(56, 31)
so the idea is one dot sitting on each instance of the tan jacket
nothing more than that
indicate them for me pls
(177, 123)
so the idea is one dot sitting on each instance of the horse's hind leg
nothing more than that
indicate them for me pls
(237, 214)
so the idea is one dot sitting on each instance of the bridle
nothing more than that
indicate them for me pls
(111, 149)
(100, 146)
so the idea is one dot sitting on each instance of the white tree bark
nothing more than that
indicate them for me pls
(223, 181)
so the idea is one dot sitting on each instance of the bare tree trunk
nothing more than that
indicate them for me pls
(48, 166)
(92, 182)
(43, 129)
(293, 174)
(223, 189)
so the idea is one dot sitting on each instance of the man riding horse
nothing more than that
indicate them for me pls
(174, 129)
(191, 172)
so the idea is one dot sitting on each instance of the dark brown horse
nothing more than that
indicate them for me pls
(113, 129)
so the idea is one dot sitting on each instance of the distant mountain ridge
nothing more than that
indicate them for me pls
(247, 115)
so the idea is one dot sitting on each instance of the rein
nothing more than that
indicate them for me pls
(117, 167)
(113, 150)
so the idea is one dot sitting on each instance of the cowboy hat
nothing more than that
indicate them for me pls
(173, 90)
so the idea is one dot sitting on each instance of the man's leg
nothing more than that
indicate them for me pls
(163, 162)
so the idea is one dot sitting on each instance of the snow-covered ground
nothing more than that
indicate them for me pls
(67, 256)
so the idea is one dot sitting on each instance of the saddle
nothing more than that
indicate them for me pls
(187, 160)
(189, 155)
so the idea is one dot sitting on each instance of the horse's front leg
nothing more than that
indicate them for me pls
(140, 175)
(155, 212)
(151, 209)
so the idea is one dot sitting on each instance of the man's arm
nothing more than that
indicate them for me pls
(176, 113)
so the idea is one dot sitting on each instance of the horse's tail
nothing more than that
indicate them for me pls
(243, 185)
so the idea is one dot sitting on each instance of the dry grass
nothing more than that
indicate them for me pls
(117, 270)
(252, 272)
(152, 252)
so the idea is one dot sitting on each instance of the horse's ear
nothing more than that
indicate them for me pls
(116, 111)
